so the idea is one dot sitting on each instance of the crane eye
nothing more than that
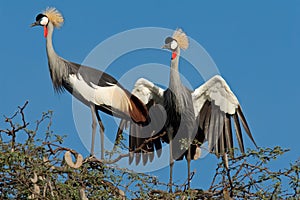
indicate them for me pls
(174, 45)
(44, 21)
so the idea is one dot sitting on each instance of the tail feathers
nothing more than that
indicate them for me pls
(144, 141)
(139, 148)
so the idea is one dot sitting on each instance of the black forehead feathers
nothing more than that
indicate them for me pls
(168, 40)
(39, 17)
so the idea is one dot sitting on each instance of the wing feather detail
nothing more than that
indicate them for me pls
(215, 104)
(238, 132)
(217, 90)
(228, 132)
(245, 124)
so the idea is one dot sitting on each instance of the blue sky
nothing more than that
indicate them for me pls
(255, 45)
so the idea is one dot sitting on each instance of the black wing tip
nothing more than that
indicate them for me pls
(241, 116)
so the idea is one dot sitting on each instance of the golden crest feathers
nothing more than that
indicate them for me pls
(181, 39)
(54, 16)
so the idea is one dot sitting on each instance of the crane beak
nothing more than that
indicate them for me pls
(34, 24)
(166, 46)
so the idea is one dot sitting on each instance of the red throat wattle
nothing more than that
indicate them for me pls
(45, 31)
(174, 55)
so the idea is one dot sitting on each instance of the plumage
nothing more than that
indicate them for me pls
(202, 115)
(221, 142)
(181, 38)
(215, 89)
(203, 112)
(228, 132)
(94, 88)
(238, 132)
(245, 124)
(54, 16)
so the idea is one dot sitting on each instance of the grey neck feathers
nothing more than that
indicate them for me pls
(175, 82)
(49, 46)
(183, 97)
(57, 66)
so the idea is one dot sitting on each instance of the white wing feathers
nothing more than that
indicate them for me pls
(146, 91)
(215, 90)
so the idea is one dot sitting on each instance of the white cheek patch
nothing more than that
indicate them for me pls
(174, 45)
(44, 21)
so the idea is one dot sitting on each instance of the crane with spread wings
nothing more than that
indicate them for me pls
(183, 118)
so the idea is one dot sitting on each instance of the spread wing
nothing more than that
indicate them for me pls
(215, 108)
(145, 139)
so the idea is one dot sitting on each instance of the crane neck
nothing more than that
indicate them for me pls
(58, 69)
(175, 81)
(49, 46)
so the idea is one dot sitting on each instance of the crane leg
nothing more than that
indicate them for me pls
(101, 134)
(171, 165)
(94, 126)
(189, 166)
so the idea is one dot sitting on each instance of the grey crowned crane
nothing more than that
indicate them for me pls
(192, 117)
(94, 88)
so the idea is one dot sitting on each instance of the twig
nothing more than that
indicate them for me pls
(136, 150)
(14, 129)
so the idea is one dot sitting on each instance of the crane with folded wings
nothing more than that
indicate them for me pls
(96, 89)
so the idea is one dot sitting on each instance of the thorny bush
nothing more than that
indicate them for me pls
(42, 168)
